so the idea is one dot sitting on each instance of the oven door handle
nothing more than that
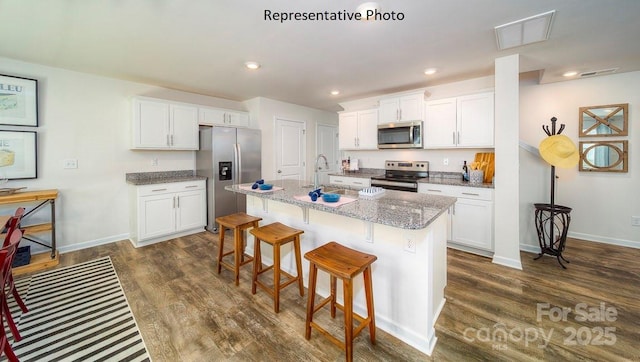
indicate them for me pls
(411, 185)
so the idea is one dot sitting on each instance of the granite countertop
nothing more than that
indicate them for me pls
(405, 210)
(453, 181)
(150, 178)
(363, 172)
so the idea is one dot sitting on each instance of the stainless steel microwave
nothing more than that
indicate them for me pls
(400, 135)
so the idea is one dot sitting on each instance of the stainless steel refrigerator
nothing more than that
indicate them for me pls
(227, 156)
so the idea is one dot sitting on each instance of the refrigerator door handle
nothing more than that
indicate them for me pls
(235, 168)
(239, 163)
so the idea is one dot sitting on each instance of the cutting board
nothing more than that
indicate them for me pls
(490, 167)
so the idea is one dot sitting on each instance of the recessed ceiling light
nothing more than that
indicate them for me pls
(335, 92)
(430, 71)
(252, 65)
(570, 73)
(363, 8)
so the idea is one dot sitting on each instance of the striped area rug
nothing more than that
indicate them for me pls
(77, 313)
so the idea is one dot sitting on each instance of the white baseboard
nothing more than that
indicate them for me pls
(605, 240)
(92, 243)
(530, 248)
(511, 263)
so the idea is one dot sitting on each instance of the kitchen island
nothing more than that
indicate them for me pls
(406, 231)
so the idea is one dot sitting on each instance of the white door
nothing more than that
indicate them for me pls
(290, 149)
(327, 145)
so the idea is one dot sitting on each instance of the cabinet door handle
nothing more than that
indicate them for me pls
(171, 140)
(357, 183)
(434, 190)
(177, 202)
(453, 134)
(470, 194)
(174, 202)
(190, 186)
(458, 137)
(156, 190)
(168, 143)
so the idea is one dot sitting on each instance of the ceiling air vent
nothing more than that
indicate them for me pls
(598, 72)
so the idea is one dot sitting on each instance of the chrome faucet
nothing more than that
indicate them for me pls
(326, 164)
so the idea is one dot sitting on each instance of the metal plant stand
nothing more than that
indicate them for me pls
(552, 221)
(552, 224)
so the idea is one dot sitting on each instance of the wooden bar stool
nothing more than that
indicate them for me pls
(277, 235)
(344, 263)
(238, 222)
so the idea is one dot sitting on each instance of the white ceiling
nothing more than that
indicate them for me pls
(200, 46)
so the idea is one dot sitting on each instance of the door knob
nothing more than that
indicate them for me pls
(279, 171)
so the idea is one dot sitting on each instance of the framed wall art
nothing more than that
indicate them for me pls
(18, 155)
(18, 101)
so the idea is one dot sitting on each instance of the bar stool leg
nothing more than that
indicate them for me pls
(238, 253)
(221, 248)
(368, 291)
(313, 272)
(276, 278)
(296, 245)
(333, 280)
(257, 264)
(348, 318)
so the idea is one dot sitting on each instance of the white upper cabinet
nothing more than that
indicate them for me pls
(164, 125)
(466, 121)
(402, 109)
(223, 117)
(358, 130)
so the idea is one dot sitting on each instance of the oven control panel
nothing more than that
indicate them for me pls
(407, 165)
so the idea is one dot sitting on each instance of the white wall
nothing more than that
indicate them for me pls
(602, 203)
(264, 112)
(87, 118)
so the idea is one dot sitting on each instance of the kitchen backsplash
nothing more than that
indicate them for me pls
(436, 158)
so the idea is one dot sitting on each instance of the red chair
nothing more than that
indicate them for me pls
(14, 224)
(5, 347)
(13, 238)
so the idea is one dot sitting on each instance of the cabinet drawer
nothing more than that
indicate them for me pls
(476, 193)
(157, 189)
(350, 181)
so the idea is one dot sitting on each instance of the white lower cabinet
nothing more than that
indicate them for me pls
(163, 211)
(471, 217)
(350, 181)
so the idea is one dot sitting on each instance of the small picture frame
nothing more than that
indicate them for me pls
(18, 155)
(18, 101)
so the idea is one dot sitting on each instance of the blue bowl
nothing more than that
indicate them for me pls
(266, 186)
(330, 197)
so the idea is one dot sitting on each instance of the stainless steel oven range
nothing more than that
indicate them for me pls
(402, 175)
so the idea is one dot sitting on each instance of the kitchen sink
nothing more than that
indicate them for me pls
(345, 192)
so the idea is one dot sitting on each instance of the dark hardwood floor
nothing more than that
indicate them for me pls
(187, 312)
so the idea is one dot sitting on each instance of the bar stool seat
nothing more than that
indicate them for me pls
(239, 222)
(344, 263)
(276, 234)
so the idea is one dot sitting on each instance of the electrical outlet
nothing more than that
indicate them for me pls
(70, 163)
(154, 161)
(635, 220)
(445, 161)
(409, 245)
